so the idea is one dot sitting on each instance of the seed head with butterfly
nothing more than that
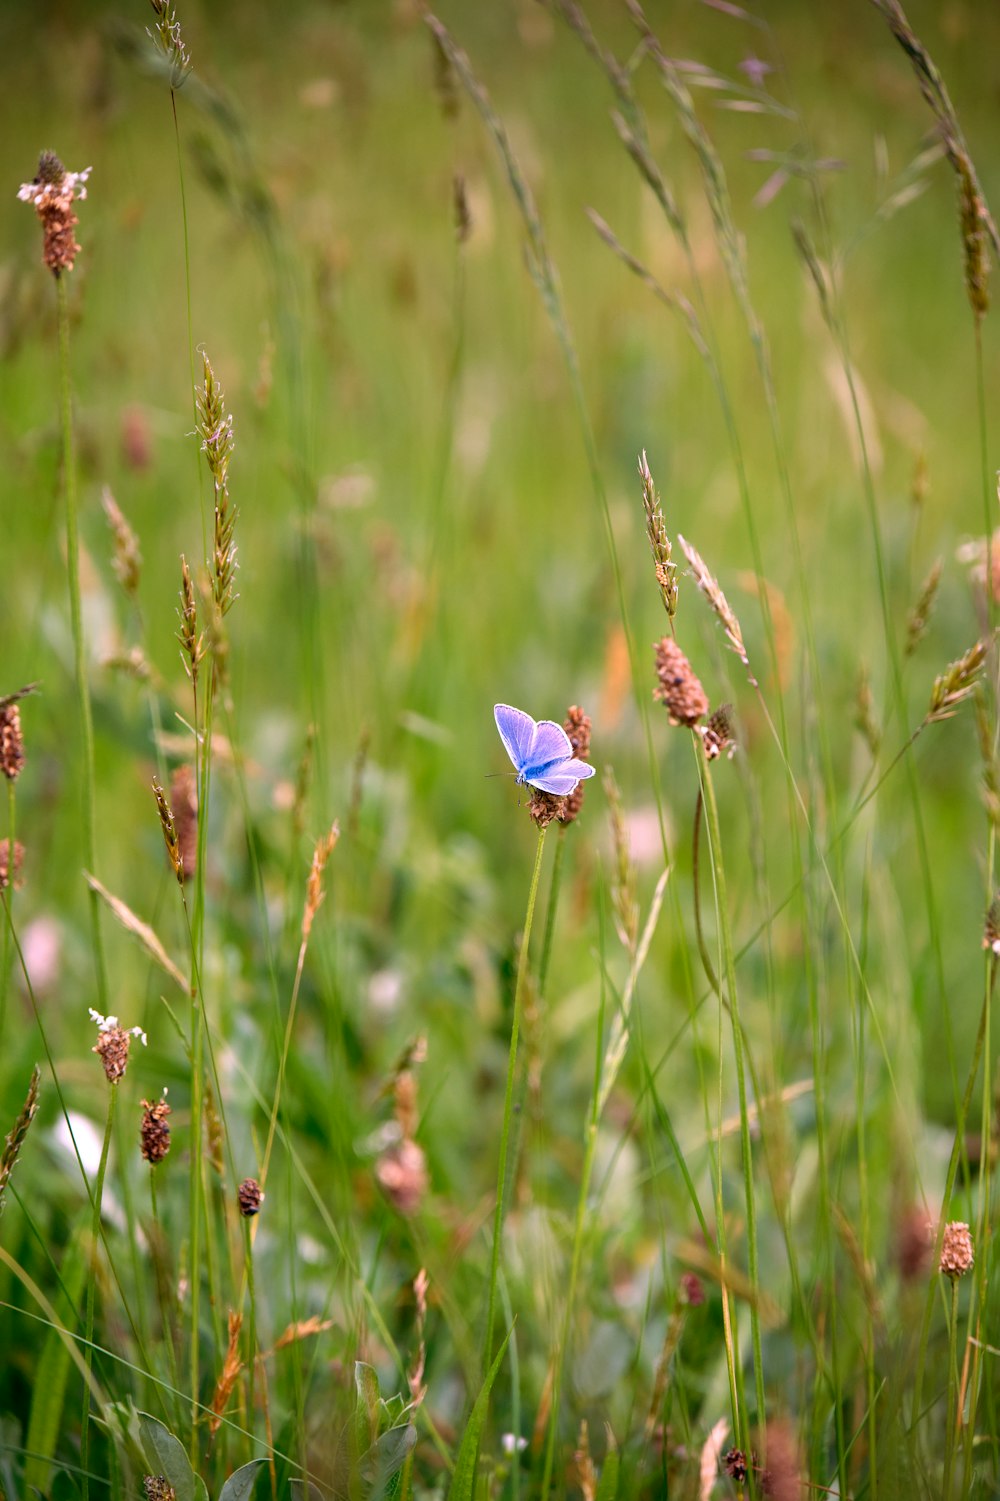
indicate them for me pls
(540, 751)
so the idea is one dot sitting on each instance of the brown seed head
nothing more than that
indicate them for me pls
(184, 799)
(783, 1477)
(52, 193)
(154, 1132)
(158, 1488)
(543, 807)
(402, 1173)
(113, 1048)
(659, 542)
(127, 559)
(692, 1290)
(991, 928)
(5, 871)
(734, 1462)
(314, 890)
(577, 727)
(250, 1196)
(405, 1100)
(975, 241)
(113, 1043)
(169, 829)
(717, 733)
(956, 1250)
(17, 1133)
(914, 1242)
(11, 741)
(679, 690)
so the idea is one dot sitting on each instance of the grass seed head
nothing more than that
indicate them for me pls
(717, 733)
(659, 542)
(169, 829)
(709, 587)
(166, 35)
(184, 802)
(956, 1250)
(250, 1196)
(158, 1488)
(113, 1045)
(957, 683)
(577, 727)
(8, 876)
(17, 1133)
(678, 687)
(154, 1132)
(402, 1174)
(11, 741)
(127, 559)
(991, 928)
(916, 626)
(544, 807)
(53, 191)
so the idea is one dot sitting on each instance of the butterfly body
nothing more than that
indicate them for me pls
(541, 751)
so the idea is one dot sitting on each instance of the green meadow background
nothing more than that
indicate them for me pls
(421, 533)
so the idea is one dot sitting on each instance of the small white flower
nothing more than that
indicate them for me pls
(512, 1443)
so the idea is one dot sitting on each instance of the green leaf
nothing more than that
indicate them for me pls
(240, 1483)
(366, 1409)
(165, 1455)
(464, 1478)
(381, 1465)
(607, 1487)
(49, 1385)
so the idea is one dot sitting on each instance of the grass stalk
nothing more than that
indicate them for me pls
(500, 1209)
(88, 1352)
(729, 967)
(88, 801)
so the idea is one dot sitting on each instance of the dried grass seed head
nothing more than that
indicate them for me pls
(11, 741)
(167, 38)
(18, 1132)
(8, 876)
(402, 1174)
(154, 1131)
(113, 1044)
(126, 559)
(52, 193)
(678, 688)
(158, 1488)
(957, 682)
(249, 1196)
(659, 542)
(314, 891)
(956, 1250)
(717, 733)
(577, 726)
(184, 802)
(709, 587)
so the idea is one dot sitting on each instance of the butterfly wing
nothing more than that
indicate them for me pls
(550, 744)
(517, 731)
(561, 778)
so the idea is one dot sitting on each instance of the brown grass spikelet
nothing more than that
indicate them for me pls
(249, 1196)
(8, 876)
(679, 689)
(577, 726)
(157, 1488)
(314, 889)
(957, 1254)
(717, 733)
(544, 807)
(154, 1130)
(978, 228)
(215, 428)
(52, 192)
(659, 542)
(192, 641)
(916, 626)
(169, 43)
(18, 1132)
(584, 1469)
(169, 830)
(232, 1366)
(184, 801)
(11, 741)
(402, 1174)
(126, 561)
(710, 588)
(624, 900)
(415, 1376)
(956, 683)
(113, 1045)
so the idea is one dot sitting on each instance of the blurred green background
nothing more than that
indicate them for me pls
(407, 447)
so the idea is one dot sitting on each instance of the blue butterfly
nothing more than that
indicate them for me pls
(541, 751)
